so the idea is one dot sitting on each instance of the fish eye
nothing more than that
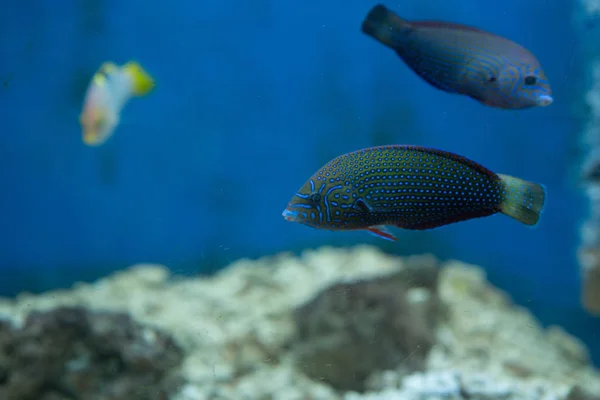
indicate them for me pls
(530, 80)
(315, 197)
(492, 79)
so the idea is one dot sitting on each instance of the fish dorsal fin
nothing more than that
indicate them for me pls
(446, 25)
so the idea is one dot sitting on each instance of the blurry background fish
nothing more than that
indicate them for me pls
(462, 59)
(254, 97)
(110, 89)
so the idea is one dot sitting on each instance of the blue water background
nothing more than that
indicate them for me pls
(251, 98)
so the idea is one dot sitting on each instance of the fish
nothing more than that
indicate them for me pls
(110, 89)
(409, 187)
(464, 60)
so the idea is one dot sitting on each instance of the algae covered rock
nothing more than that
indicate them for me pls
(71, 353)
(578, 393)
(350, 330)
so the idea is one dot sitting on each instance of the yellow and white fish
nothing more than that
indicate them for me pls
(110, 89)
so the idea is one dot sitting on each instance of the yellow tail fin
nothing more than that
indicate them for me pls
(142, 81)
(524, 201)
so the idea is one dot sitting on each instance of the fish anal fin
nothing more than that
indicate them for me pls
(382, 232)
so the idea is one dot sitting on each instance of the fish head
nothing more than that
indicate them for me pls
(97, 126)
(519, 85)
(318, 203)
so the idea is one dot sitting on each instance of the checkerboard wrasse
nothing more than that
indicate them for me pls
(409, 187)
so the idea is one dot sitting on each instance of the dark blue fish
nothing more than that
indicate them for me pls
(409, 187)
(464, 60)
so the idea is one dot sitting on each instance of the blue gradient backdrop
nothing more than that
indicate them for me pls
(251, 98)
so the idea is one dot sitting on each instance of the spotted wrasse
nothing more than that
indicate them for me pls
(409, 187)
(462, 59)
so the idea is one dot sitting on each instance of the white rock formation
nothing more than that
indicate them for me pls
(236, 327)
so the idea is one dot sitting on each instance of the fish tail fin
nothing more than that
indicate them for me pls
(141, 80)
(523, 201)
(383, 25)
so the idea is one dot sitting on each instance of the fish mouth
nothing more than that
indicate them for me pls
(90, 138)
(289, 215)
(544, 100)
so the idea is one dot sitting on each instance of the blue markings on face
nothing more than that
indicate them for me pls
(326, 201)
(525, 86)
(314, 198)
(322, 188)
(301, 205)
(319, 206)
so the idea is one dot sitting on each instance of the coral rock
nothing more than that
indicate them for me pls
(352, 329)
(71, 353)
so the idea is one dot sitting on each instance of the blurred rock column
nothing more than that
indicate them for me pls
(589, 248)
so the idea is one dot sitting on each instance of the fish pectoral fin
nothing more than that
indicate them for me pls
(362, 206)
(382, 232)
(108, 67)
(375, 230)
